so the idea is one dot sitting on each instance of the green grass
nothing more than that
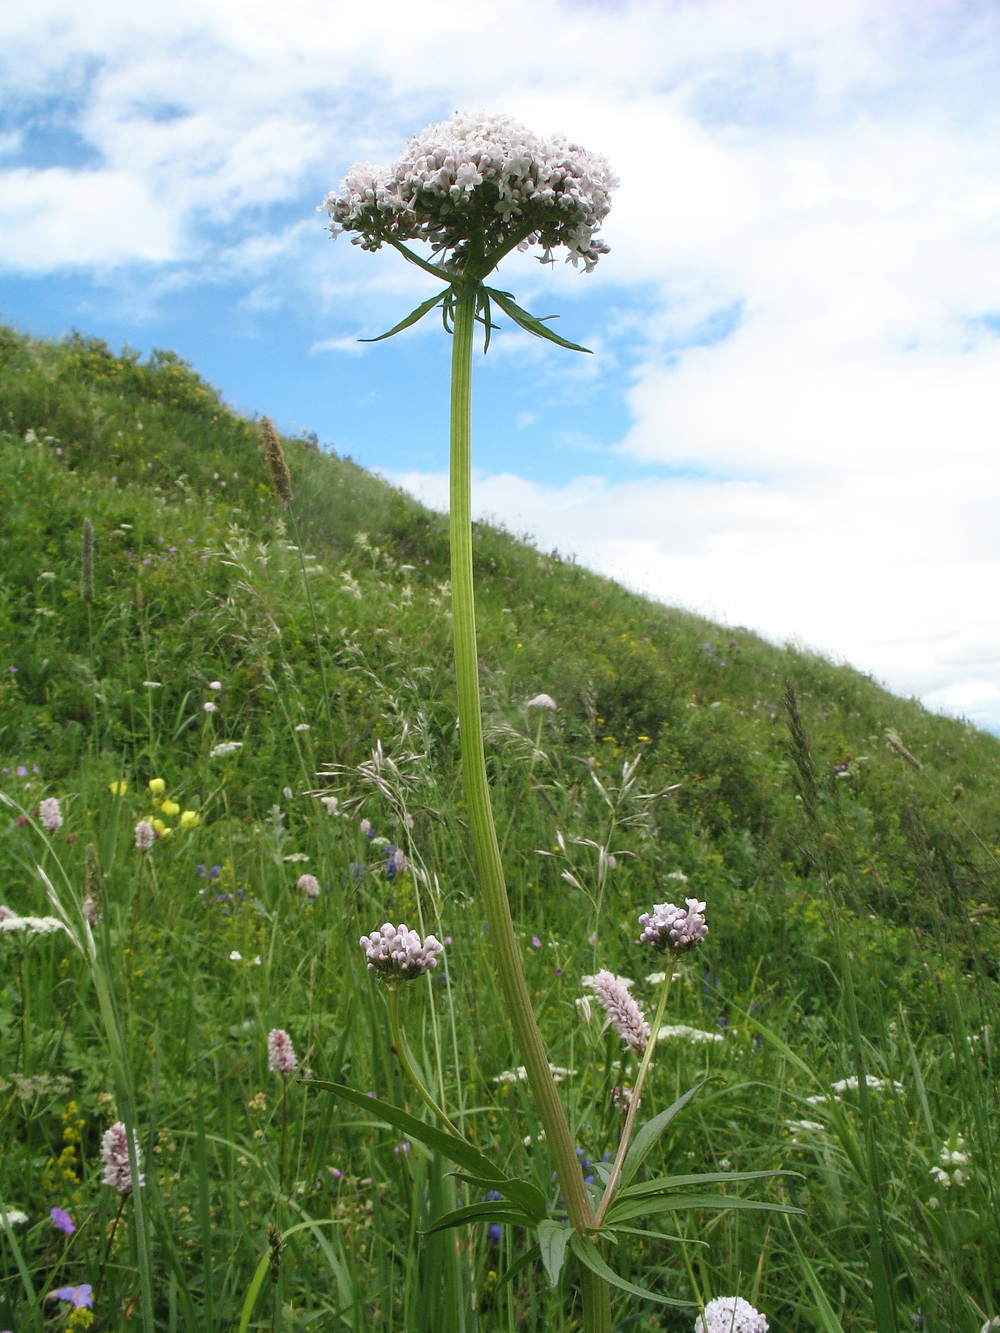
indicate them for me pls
(820, 851)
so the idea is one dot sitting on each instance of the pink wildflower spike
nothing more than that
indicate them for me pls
(624, 1015)
(281, 1057)
(114, 1155)
(50, 815)
(145, 835)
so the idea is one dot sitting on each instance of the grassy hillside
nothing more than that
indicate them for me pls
(235, 648)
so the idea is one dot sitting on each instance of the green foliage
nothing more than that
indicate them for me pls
(201, 577)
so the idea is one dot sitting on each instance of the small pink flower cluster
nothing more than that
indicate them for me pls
(281, 1057)
(675, 928)
(396, 953)
(624, 1014)
(114, 1155)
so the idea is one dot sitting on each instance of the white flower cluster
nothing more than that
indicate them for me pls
(850, 1084)
(674, 928)
(520, 1074)
(31, 925)
(952, 1160)
(696, 1036)
(394, 952)
(485, 176)
(730, 1314)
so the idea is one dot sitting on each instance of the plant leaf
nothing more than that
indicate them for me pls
(553, 1238)
(412, 318)
(647, 1136)
(670, 1203)
(456, 1150)
(530, 323)
(647, 1187)
(590, 1256)
(522, 1192)
(524, 1262)
(488, 1210)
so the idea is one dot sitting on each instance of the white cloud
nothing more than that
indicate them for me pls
(804, 247)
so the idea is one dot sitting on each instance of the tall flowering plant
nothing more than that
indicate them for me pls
(473, 189)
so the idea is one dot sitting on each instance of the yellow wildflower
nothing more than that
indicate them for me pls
(157, 786)
(117, 788)
(170, 808)
(190, 819)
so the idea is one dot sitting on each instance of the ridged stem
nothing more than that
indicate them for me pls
(492, 886)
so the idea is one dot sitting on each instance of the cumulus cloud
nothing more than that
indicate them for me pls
(800, 314)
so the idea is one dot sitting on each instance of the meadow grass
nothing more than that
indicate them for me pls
(852, 903)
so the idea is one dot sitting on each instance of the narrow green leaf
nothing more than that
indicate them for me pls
(522, 1192)
(456, 1150)
(525, 1261)
(553, 1238)
(412, 318)
(253, 1291)
(487, 1211)
(663, 1183)
(530, 323)
(676, 1203)
(647, 1136)
(830, 1322)
(589, 1255)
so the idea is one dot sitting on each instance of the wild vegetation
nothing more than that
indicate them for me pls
(270, 687)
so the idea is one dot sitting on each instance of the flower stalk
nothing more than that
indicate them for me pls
(505, 948)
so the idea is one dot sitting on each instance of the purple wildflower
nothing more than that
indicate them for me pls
(145, 835)
(62, 1220)
(77, 1296)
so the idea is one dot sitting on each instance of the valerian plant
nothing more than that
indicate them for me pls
(472, 190)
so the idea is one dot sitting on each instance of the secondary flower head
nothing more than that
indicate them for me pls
(730, 1314)
(624, 1015)
(674, 928)
(157, 786)
(145, 835)
(396, 953)
(541, 701)
(485, 177)
(50, 815)
(309, 885)
(114, 1155)
(281, 1057)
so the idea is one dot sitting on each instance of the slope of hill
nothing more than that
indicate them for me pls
(233, 648)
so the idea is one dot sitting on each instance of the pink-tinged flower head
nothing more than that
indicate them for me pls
(482, 176)
(398, 954)
(674, 928)
(541, 701)
(114, 1155)
(730, 1314)
(624, 1015)
(145, 835)
(281, 1057)
(50, 815)
(309, 885)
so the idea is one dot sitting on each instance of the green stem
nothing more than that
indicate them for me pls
(402, 1053)
(493, 889)
(633, 1110)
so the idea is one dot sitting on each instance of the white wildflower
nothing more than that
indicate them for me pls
(224, 748)
(693, 1035)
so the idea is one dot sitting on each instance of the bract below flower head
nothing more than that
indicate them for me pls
(397, 954)
(479, 176)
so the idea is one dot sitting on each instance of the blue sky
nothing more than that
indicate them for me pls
(790, 418)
